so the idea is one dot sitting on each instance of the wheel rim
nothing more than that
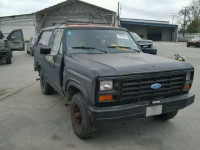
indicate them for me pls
(76, 118)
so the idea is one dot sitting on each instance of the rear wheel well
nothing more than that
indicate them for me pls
(71, 91)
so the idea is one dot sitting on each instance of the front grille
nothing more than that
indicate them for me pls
(138, 88)
(6, 43)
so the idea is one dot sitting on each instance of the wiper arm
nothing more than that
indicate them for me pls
(118, 46)
(88, 48)
(129, 48)
(82, 47)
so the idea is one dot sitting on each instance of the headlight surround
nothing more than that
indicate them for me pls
(188, 81)
(106, 85)
(188, 76)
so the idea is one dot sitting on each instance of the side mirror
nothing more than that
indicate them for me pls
(45, 50)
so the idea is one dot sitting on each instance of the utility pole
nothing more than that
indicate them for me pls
(173, 19)
(184, 23)
(118, 15)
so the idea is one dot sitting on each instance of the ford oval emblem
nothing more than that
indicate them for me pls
(156, 86)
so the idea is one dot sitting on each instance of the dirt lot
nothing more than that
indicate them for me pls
(32, 121)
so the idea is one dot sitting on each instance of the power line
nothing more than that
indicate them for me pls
(151, 13)
(147, 12)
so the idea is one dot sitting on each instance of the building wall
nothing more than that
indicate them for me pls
(31, 24)
(167, 33)
(75, 11)
(140, 30)
(24, 22)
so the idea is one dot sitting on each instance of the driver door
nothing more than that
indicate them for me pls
(55, 60)
(16, 40)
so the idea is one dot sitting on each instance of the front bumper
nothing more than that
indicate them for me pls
(130, 111)
(193, 44)
(150, 51)
(5, 54)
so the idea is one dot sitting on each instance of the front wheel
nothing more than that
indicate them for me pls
(81, 120)
(32, 53)
(11, 53)
(45, 87)
(8, 60)
(166, 116)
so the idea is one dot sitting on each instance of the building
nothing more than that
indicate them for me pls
(73, 11)
(70, 11)
(25, 22)
(151, 29)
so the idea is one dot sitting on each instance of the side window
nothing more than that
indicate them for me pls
(44, 39)
(57, 37)
(15, 35)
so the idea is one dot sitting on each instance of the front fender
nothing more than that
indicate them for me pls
(77, 85)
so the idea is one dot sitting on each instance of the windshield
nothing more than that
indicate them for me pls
(135, 36)
(100, 41)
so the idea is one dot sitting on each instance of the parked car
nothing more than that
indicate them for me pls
(194, 42)
(31, 45)
(14, 42)
(102, 73)
(147, 46)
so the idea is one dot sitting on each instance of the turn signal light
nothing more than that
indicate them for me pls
(187, 86)
(105, 98)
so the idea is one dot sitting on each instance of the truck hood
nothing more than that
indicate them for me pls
(113, 64)
(143, 42)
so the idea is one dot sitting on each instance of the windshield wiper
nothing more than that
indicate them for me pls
(88, 48)
(118, 46)
(129, 48)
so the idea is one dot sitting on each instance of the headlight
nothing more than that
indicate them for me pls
(154, 46)
(188, 82)
(106, 85)
(188, 76)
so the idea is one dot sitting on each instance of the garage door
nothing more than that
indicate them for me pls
(154, 35)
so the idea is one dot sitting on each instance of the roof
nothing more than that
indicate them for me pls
(67, 2)
(59, 5)
(90, 26)
(13, 16)
(147, 22)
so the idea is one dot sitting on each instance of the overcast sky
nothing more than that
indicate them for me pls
(161, 8)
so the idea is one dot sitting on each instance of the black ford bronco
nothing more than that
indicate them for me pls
(104, 76)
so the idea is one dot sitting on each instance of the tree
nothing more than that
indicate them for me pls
(192, 17)
(194, 26)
